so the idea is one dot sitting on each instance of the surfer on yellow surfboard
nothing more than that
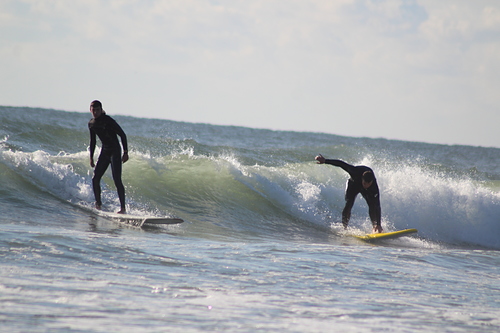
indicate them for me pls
(362, 181)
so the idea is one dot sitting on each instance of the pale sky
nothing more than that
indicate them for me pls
(416, 70)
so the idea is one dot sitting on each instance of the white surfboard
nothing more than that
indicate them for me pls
(138, 220)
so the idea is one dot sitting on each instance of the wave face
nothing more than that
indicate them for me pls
(231, 181)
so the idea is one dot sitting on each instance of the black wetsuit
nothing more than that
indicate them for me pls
(108, 130)
(355, 186)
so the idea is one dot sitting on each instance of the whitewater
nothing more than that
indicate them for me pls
(262, 247)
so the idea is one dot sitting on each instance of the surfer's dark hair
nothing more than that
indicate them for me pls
(96, 103)
(368, 176)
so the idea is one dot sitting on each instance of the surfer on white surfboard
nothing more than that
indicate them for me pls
(108, 130)
(362, 181)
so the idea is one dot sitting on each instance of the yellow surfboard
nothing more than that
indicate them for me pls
(386, 235)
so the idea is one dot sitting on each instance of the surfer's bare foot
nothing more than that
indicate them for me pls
(122, 211)
(98, 206)
(377, 229)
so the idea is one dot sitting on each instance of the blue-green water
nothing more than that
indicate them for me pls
(260, 248)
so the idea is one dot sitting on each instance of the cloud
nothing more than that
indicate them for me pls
(412, 69)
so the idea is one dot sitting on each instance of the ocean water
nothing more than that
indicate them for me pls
(261, 248)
